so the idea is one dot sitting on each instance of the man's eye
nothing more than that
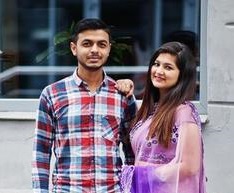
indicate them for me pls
(86, 44)
(102, 45)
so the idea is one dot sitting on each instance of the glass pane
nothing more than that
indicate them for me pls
(27, 30)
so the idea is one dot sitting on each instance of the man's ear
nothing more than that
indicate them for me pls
(73, 48)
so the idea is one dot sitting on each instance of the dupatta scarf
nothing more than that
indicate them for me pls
(157, 169)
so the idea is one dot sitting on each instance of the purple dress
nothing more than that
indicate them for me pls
(157, 169)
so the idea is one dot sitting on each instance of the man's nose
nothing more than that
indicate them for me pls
(94, 48)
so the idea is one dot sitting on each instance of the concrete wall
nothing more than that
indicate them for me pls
(219, 132)
(15, 156)
(16, 136)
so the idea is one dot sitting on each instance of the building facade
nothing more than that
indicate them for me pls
(152, 22)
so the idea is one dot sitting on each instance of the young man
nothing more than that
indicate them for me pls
(82, 119)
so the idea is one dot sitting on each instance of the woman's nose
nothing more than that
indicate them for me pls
(160, 70)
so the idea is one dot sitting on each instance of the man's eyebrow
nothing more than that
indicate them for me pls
(92, 40)
(86, 40)
(103, 41)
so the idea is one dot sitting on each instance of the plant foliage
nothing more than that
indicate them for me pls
(61, 47)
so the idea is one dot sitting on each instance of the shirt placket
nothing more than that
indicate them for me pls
(92, 141)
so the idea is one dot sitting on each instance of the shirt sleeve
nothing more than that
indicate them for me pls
(129, 114)
(42, 146)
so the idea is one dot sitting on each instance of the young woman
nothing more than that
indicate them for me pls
(166, 134)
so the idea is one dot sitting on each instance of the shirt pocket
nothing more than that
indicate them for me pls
(110, 128)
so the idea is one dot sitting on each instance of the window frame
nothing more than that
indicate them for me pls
(30, 105)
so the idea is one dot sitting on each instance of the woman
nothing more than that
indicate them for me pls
(166, 135)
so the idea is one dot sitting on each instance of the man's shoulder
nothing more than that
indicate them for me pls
(58, 85)
(110, 80)
(110, 84)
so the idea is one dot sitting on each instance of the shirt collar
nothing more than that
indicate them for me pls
(79, 81)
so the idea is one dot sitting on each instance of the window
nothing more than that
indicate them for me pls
(27, 29)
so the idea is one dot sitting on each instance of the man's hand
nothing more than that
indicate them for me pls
(125, 86)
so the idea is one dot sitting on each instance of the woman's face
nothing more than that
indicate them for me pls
(164, 72)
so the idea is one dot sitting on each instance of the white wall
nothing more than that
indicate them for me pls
(219, 132)
(15, 156)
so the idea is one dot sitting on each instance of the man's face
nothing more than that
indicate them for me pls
(91, 49)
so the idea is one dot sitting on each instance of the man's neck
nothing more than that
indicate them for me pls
(93, 79)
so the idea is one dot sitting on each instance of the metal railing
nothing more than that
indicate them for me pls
(30, 104)
(59, 70)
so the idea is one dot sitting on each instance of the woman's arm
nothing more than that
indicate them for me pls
(188, 155)
(187, 159)
(190, 147)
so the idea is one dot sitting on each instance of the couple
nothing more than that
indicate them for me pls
(83, 118)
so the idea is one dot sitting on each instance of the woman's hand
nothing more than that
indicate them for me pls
(125, 86)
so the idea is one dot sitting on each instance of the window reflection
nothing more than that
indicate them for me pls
(27, 29)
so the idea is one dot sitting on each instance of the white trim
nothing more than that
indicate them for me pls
(202, 103)
(27, 116)
(18, 105)
(55, 70)
(29, 107)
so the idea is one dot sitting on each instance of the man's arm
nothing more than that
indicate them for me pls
(42, 147)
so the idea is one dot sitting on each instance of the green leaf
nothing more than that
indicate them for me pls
(42, 56)
(61, 37)
(63, 52)
(72, 27)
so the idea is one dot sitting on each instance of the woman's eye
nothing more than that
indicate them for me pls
(168, 67)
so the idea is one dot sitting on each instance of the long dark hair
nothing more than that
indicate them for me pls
(163, 119)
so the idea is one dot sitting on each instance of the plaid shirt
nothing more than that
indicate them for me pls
(84, 129)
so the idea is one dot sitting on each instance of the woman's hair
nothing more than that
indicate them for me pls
(89, 24)
(184, 89)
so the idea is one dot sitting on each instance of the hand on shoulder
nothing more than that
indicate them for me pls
(125, 86)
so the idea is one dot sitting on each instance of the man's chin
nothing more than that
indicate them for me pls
(94, 67)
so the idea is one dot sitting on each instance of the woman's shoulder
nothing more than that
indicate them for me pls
(186, 107)
(187, 112)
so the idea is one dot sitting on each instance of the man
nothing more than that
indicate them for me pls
(83, 118)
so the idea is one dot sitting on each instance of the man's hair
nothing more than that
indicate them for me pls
(89, 24)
